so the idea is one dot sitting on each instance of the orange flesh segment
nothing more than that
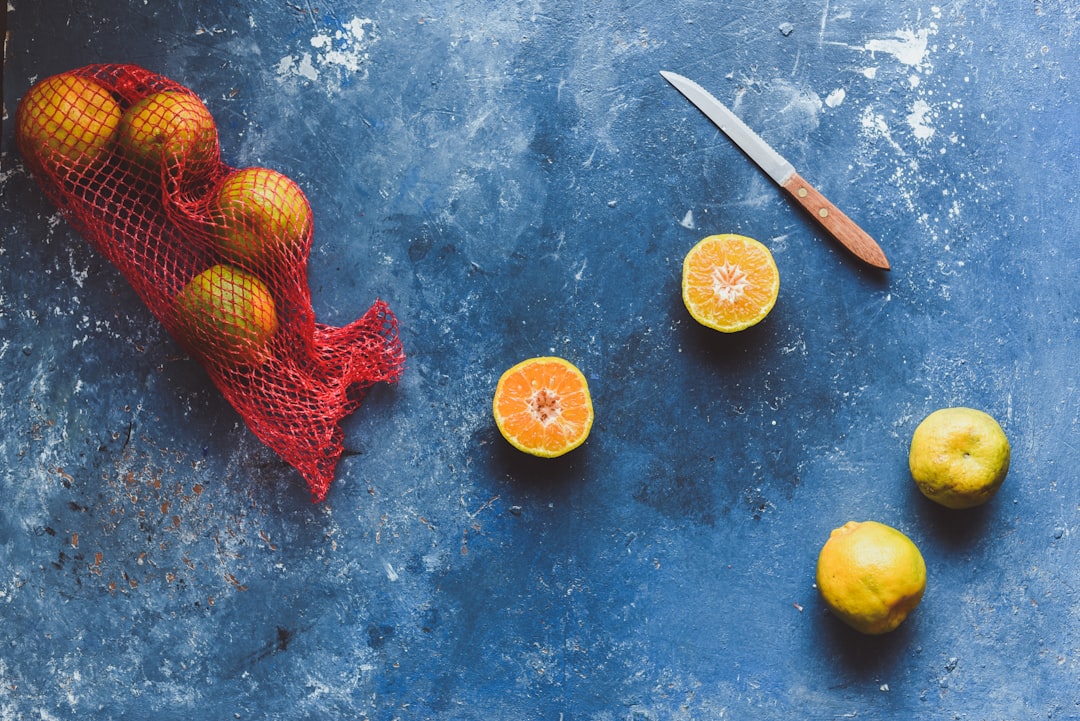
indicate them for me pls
(730, 282)
(542, 406)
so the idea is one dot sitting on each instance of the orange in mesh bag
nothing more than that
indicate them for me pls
(219, 255)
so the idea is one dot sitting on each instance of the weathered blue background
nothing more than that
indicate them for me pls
(516, 179)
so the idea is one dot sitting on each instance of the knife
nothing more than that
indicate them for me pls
(838, 225)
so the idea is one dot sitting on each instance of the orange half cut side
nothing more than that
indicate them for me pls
(730, 282)
(542, 406)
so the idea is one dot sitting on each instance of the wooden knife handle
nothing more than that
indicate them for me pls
(838, 225)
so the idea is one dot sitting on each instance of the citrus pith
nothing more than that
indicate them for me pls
(542, 406)
(870, 575)
(729, 282)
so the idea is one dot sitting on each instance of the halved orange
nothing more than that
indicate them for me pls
(729, 282)
(542, 406)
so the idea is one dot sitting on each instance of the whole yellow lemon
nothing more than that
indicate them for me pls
(959, 457)
(871, 576)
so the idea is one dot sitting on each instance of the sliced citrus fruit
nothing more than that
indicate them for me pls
(542, 406)
(729, 282)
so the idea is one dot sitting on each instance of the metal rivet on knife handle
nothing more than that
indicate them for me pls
(833, 220)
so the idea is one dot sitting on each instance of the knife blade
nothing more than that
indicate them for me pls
(783, 173)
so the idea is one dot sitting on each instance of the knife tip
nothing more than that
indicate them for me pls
(682, 84)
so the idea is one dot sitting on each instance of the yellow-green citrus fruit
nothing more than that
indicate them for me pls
(66, 123)
(226, 314)
(871, 576)
(170, 130)
(959, 457)
(257, 215)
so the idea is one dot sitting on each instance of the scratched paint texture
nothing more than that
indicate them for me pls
(516, 179)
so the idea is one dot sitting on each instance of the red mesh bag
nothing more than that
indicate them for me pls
(218, 254)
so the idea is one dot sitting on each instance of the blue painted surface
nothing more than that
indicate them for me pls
(518, 180)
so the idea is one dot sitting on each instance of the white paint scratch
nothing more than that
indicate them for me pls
(824, 22)
(581, 271)
(336, 57)
(906, 46)
(918, 120)
(299, 66)
(874, 125)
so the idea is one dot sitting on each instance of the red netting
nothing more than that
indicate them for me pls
(218, 254)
